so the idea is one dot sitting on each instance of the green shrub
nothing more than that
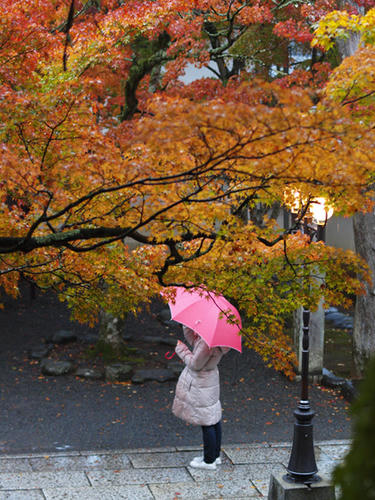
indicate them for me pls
(356, 476)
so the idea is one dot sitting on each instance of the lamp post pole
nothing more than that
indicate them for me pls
(302, 466)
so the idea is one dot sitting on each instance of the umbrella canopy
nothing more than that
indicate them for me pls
(208, 314)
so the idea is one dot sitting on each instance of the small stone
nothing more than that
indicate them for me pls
(63, 337)
(330, 310)
(40, 352)
(90, 338)
(329, 379)
(345, 323)
(339, 319)
(89, 373)
(118, 372)
(334, 317)
(169, 341)
(55, 367)
(349, 391)
(160, 340)
(157, 374)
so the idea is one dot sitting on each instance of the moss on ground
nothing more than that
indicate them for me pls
(107, 353)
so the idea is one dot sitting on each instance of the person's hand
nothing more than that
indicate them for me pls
(179, 343)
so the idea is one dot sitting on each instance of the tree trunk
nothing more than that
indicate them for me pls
(348, 46)
(110, 332)
(364, 321)
(364, 237)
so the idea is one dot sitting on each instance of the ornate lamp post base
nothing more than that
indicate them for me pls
(302, 466)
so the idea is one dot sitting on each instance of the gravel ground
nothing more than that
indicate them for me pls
(44, 414)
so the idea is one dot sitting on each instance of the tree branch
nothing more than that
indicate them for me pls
(69, 24)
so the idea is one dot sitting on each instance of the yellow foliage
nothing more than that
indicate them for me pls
(340, 24)
(353, 82)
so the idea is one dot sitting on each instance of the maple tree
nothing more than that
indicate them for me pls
(102, 143)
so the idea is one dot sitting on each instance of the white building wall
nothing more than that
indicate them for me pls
(339, 233)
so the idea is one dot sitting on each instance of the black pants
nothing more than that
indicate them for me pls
(211, 442)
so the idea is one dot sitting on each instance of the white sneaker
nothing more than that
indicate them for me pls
(199, 460)
(201, 464)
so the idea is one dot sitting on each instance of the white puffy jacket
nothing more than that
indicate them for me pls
(198, 388)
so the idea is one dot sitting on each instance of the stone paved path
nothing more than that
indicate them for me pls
(159, 473)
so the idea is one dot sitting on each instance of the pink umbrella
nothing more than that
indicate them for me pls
(210, 315)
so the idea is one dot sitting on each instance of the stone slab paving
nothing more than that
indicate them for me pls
(22, 495)
(250, 472)
(129, 492)
(325, 468)
(204, 490)
(84, 462)
(139, 476)
(169, 459)
(259, 455)
(335, 452)
(158, 474)
(15, 465)
(262, 485)
(35, 480)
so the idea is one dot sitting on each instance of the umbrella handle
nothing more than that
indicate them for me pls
(168, 354)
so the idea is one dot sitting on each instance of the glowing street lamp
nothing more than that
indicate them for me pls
(302, 465)
(320, 212)
(314, 209)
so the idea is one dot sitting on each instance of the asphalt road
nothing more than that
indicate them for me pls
(45, 414)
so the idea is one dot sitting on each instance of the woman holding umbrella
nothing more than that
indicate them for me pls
(197, 395)
(198, 388)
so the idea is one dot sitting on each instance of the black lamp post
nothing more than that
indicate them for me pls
(302, 465)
